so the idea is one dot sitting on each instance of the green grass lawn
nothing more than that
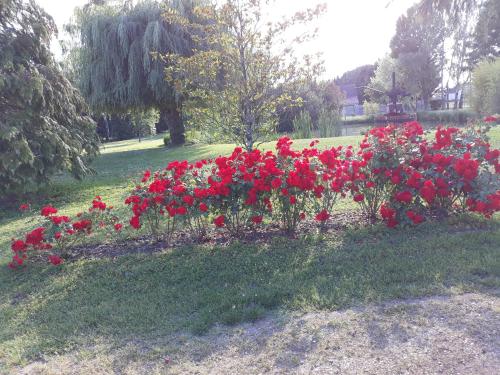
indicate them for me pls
(46, 310)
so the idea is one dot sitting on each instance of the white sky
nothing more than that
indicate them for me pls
(351, 33)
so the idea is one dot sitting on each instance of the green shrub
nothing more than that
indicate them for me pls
(486, 87)
(371, 109)
(166, 139)
(447, 116)
(362, 119)
(329, 124)
(302, 125)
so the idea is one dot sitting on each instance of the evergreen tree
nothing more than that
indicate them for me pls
(44, 126)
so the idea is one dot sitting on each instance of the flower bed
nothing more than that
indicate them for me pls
(395, 174)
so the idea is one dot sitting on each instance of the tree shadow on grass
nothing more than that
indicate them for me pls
(192, 288)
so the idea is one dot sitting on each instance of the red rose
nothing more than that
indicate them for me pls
(203, 207)
(18, 245)
(55, 260)
(48, 210)
(188, 199)
(219, 221)
(276, 183)
(322, 215)
(24, 207)
(404, 196)
(134, 222)
(257, 219)
(358, 197)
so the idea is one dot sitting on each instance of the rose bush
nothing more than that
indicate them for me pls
(396, 173)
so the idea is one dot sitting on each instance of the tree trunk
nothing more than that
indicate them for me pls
(175, 126)
(171, 119)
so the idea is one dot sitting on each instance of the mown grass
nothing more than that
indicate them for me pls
(46, 310)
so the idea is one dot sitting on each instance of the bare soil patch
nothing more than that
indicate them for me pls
(184, 237)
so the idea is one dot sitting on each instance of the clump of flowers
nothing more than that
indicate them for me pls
(395, 174)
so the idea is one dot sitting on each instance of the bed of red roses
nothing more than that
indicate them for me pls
(395, 174)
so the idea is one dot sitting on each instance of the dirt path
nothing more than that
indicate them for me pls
(437, 335)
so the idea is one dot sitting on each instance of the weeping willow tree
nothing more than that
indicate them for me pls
(116, 68)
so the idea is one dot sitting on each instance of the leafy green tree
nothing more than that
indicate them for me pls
(115, 66)
(381, 82)
(314, 98)
(486, 37)
(231, 80)
(359, 76)
(486, 87)
(419, 46)
(43, 123)
(460, 18)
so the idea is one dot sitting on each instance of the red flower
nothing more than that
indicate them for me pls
(48, 210)
(404, 196)
(322, 216)
(18, 245)
(57, 235)
(293, 200)
(181, 210)
(146, 176)
(55, 260)
(257, 219)
(188, 199)
(35, 237)
(82, 225)
(219, 221)
(24, 207)
(57, 220)
(203, 207)
(97, 203)
(415, 218)
(490, 119)
(358, 197)
(135, 222)
(118, 227)
(428, 191)
(276, 183)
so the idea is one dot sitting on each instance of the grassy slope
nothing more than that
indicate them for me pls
(45, 310)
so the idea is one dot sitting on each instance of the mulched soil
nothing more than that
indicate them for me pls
(263, 235)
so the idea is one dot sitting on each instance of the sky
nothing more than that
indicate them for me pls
(351, 32)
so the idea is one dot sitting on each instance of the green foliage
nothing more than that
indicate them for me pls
(166, 139)
(231, 80)
(315, 97)
(371, 109)
(486, 87)
(447, 116)
(419, 47)
(486, 37)
(44, 128)
(303, 125)
(381, 82)
(329, 124)
(360, 77)
(143, 122)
